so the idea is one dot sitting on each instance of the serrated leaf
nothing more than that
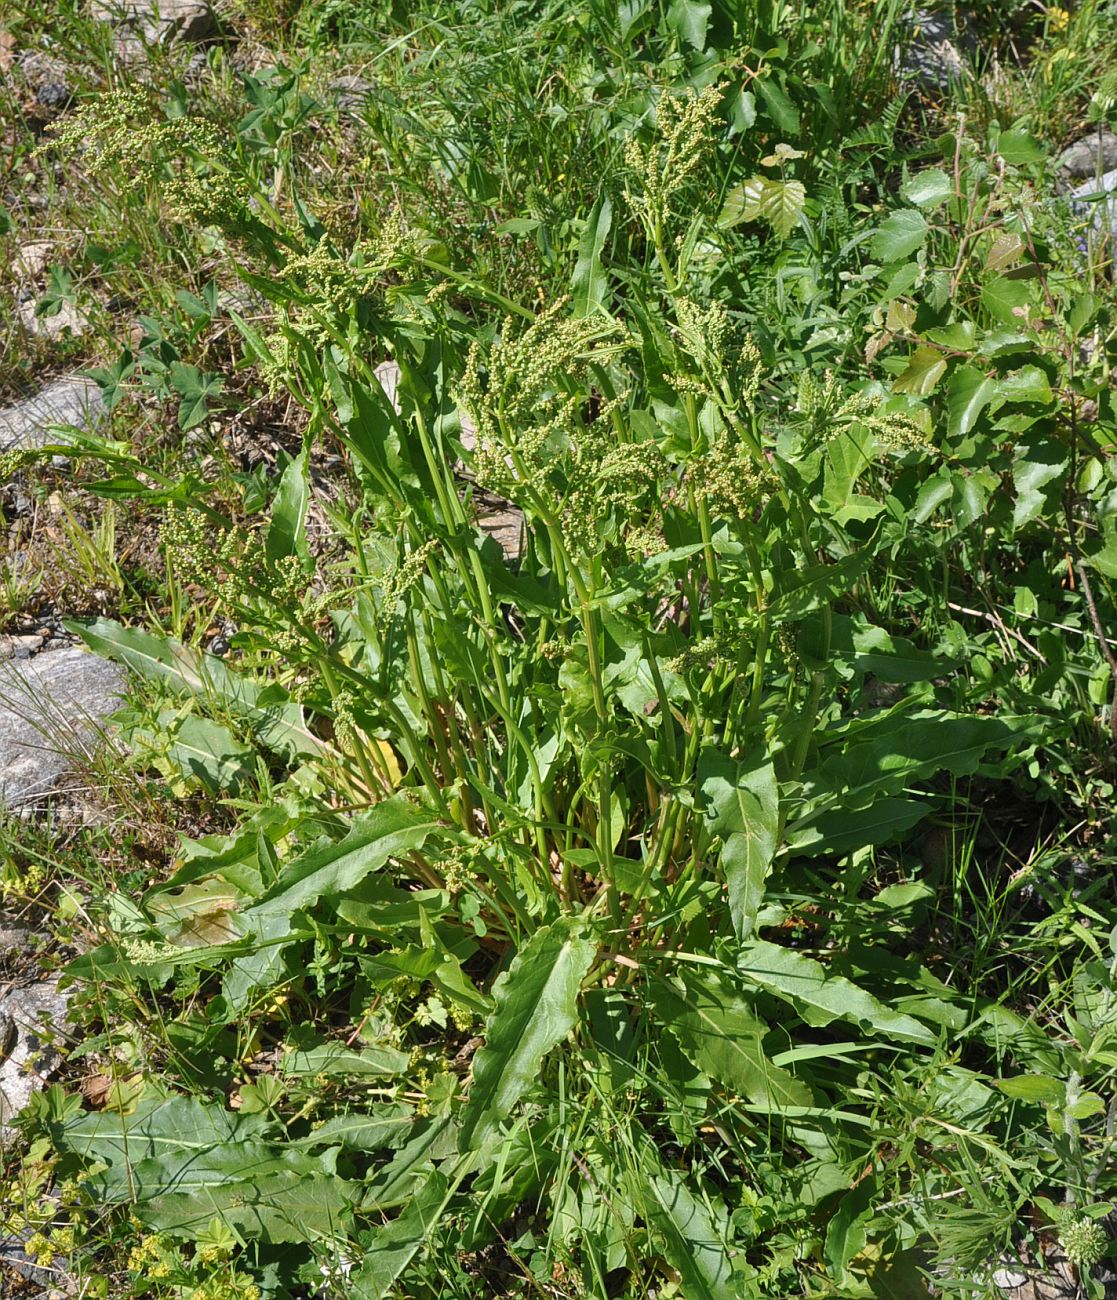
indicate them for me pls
(968, 394)
(1002, 296)
(741, 799)
(900, 317)
(1028, 384)
(899, 236)
(820, 997)
(779, 107)
(690, 19)
(1018, 148)
(1037, 468)
(928, 189)
(926, 366)
(1006, 249)
(535, 1007)
(763, 198)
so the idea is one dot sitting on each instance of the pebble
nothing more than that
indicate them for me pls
(31, 259)
(67, 319)
(20, 647)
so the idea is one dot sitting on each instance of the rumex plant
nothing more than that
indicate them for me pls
(538, 914)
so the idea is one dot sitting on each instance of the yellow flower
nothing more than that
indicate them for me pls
(1057, 19)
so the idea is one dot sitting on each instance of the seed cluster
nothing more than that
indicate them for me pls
(660, 169)
(189, 158)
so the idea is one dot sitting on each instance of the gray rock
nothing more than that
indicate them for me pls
(351, 91)
(32, 1022)
(158, 21)
(45, 77)
(50, 706)
(72, 400)
(1087, 157)
(1098, 198)
(931, 56)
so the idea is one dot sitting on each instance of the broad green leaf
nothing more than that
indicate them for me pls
(1028, 384)
(928, 189)
(395, 1245)
(287, 530)
(959, 335)
(1033, 1087)
(968, 394)
(276, 721)
(517, 226)
(820, 997)
(157, 1127)
(395, 1183)
(590, 286)
(382, 1126)
(180, 1162)
(893, 658)
(535, 1007)
(925, 368)
(779, 107)
(390, 829)
(210, 753)
(194, 387)
(741, 799)
(261, 1192)
(843, 831)
(814, 587)
(1002, 298)
(694, 1241)
(845, 1233)
(721, 1034)
(882, 756)
(1018, 148)
(1038, 467)
(764, 198)
(899, 236)
(348, 1062)
(1006, 249)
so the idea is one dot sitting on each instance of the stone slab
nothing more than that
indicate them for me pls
(50, 706)
(159, 21)
(71, 400)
